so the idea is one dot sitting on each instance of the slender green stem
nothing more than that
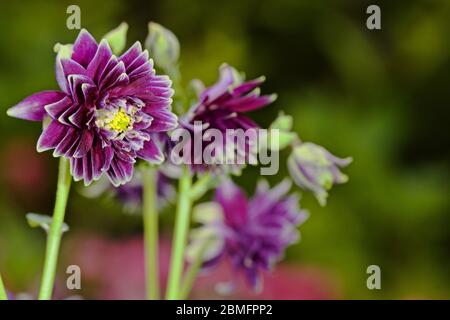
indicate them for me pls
(201, 186)
(3, 295)
(193, 270)
(182, 220)
(55, 232)
(150, 215)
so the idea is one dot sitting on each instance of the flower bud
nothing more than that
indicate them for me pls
(162, 45)
(315, 169)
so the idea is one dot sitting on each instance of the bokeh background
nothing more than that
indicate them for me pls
(381, 96)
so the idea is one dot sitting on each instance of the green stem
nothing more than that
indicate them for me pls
(201, 186)
(3, 295)
(150, 215)
(55, 232)
(182, 220)
(192, 272)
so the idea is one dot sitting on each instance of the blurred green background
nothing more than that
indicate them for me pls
(381, 96)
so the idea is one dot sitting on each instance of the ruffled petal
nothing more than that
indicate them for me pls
(84, 48)
(57, 108)
(163, 120)
(131, 54)
(233, 202)
(99, 62)
(51, 136)
(151, 152)
(67, 144)
(85, 145)
(226, 79)
(120, 172)
(250, 102)
(33, 107)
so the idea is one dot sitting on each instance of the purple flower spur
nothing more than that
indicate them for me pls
(103, 116)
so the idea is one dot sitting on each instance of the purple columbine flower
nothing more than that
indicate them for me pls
(131, 194)
(315, 169)
(106, 110)
(252, 233)
(222, 106)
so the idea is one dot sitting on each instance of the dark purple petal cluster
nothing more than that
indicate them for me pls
(255, 232)
(103, 116)
(223, 106)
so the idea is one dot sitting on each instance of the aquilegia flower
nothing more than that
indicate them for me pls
(131, 194)
(222, 106)
(315, 169)
(104, 115)
(253, 234)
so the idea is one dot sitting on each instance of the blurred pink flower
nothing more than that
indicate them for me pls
(114, 269)
(24, 171)
(286, 282)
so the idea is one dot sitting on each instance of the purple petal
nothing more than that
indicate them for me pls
(84, 48)
(140, 60)
(101, 159)
(76, 82)
(86, 140)
(249, 102)
(244, 122)
(33, 107)
(57, 108)
(163, 120)
(87, 170)
(131, 54)
(76, 168)
(70, 66)
(151, 153)
(100, 60)
(247, 86)
(77, 117)
(115, 76)
(120, 172)
(67, 144)
(51, 136)
(233, 202)
(225, 81)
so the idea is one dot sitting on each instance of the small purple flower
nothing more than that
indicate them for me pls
(315, 169)
(131, 194)
(104, 115)
(222, 106)
(252, 233)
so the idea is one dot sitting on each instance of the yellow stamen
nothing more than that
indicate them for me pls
(120, 121)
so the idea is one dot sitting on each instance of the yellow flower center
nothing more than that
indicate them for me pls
(120, 121)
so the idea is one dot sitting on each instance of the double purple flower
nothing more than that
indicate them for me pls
(252, 233)
(103, 116)
(222, 106)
